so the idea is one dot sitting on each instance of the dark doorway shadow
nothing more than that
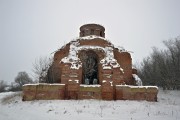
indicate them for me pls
(89, 61)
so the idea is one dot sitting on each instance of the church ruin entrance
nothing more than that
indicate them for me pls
(89, 67)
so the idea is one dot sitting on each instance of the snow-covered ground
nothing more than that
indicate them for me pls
(167, 108)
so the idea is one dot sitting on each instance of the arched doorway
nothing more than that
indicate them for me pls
(89, 61)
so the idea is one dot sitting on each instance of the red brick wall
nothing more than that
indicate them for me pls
(89, 92)
(125, 61)
(123, 58)
(61, 53)
(73, 90)
(43, 92)
(107, 92)
(136, 93)
(87, 30)
(29, 92)
(95, 42)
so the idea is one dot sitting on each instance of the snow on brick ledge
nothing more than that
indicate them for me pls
(90, 85)
(91, 37)
(131, 86)
(43, 84)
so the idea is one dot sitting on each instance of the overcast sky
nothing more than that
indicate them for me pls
(33, 28)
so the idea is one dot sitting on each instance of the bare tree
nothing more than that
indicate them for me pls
(40, 68)
(2, 85)
(162, 67)
(21, 79)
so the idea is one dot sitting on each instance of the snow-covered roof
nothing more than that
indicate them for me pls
(91, 37)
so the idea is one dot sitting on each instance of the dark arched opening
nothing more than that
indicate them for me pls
(89, 61)
(101, 34)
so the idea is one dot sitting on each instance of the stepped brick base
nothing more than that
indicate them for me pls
(79, 91)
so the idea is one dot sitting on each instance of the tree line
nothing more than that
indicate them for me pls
(21, 79)
(162, 66)
(40, 68)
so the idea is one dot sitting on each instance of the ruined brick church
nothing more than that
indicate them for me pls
(92, 59)
(91, 67)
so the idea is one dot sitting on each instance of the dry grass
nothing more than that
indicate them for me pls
(11, 98)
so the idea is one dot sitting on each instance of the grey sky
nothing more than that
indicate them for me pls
(33, 28)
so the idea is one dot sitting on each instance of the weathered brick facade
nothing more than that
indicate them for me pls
(93, 42)
(91, 67)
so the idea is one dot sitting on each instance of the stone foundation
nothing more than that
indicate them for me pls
(104, 92)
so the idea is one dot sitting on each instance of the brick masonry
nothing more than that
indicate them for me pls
(125, 92)
(77, 91)
(43, 92)
(112, 82)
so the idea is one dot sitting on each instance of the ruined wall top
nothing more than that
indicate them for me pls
(92, 29)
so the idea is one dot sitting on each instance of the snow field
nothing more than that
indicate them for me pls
(167, 108)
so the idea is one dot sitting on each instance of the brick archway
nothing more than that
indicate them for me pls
(89, 60)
